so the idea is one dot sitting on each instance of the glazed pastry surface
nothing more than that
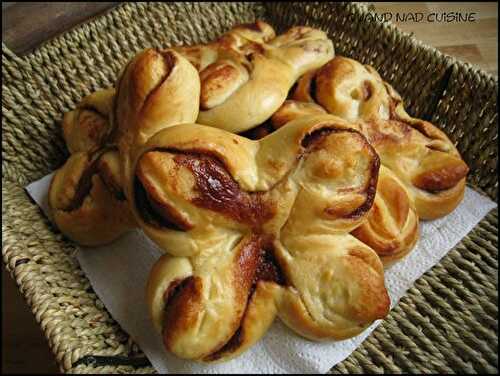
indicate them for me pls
(86, 198)
(422, 174)
(246, 74)
(255, 229)
(420, 154)
(298, 223)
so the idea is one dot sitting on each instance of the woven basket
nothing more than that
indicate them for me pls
(446, 323)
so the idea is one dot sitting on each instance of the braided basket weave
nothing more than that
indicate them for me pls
(446, 323)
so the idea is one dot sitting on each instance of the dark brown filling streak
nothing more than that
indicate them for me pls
(256, 263)
(170, 61)
(317, 137)
(312, 89)
(371, 190)
(85, 185)
(267, 269)
(217, 191)
(106, 139)
(419, 128)
(148, 208)
(367, 90)
(113, 188)
(258, 132)
(175, 287)
(394, 116)
(292, 90)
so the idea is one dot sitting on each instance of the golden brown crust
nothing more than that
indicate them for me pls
(247, 73)
(157, 89)
(392, 228)
(305, 88)
(291, 110)
(84, 207)
(258, 317)
(251, 229)
(219, 81)
(87, 128)
(421, 155)
(337, 290)
(181, 310)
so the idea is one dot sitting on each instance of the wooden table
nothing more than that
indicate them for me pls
(474, 42)
(26, 25)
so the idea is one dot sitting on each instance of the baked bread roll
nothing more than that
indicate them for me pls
(250, 229)
(391, 228)
(155, 90)
(247, 73)
(88, 194)
(86, 199)
(418, 153)
(87, 128)
(255, 229)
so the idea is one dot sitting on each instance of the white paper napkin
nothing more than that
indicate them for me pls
(118, 274)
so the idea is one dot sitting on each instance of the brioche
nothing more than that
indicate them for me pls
(297, 224)
(422, 174)
(420, 155)
(246, 74)
(255, 229)
(86, 199)
(391, 228)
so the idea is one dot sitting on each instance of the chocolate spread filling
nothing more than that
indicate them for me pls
(264, 268)
(316, 138)
(312, 89)
(433, 184)
(259, 131)
(367, 90)
(269, 269)
(371, 190)
(256, 261)
(174, 288)
(155, 213)
(218, 191)
(113, 188)
(84, 186)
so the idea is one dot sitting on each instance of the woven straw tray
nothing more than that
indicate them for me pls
(446, 323)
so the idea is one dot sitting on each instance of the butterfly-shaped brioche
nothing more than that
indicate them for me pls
(86, 199)
(250, 229)
(422, 174)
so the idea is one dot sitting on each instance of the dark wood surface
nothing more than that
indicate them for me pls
(27, 25)
(24, 347)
